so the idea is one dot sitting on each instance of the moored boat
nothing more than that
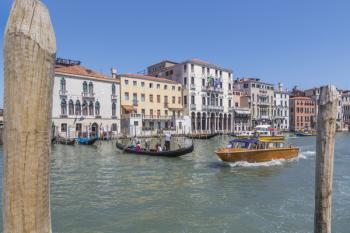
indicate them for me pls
(254, 151)
(305, 134)
(268, 133)
(87, 141)
(65, 141)
(202, 136)
(170, 153)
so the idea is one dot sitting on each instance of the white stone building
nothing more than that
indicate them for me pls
(261, 99)
(85, 102)
(346, 110)
(207, 95)
(281, 109)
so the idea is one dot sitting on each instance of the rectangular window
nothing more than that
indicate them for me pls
(126, 82)
(185, 68)
(142, 84)
(165, 87)
(78, 127)
(64, 127)
(179, 100)
(203, 100)
(134, 83)
(203, 70)
(203, 82)
(114, 127)
(192, 99)
(220, 102)
(151, 85)
(185, 100)
(179, 88)
(229, 103)
(142, 97)
(143, 112)
(151, 98)
(165, 99)
(166, 112)
(126, 95)
(158, 113)
(192, 67)
(158, 86)
(185, 81)
(173, 100)
(173, 88)
(158, 98)
(151, 112)
(134, 96)
(192, 80)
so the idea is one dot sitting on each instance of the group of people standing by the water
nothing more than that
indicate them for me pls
(136, 143)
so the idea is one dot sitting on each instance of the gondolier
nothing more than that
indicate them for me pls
(167, 140)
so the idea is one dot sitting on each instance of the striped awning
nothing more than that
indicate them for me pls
(242, 111)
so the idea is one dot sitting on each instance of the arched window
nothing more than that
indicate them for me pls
(114, 109)
(71, 107)
(77, 108)
(85, 88)
(91, 108)
(63, 107)
(97, 108)
(91, 87)
(63, 84)
(113, 89)
(85, 108)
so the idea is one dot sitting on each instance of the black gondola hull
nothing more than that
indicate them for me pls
(202, 136)
(173, 153)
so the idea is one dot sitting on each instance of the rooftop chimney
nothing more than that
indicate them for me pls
(114, 72)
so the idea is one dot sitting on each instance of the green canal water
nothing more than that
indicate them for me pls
(97, 189)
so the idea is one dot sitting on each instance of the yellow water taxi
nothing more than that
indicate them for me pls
(255, 151)
(267, 133)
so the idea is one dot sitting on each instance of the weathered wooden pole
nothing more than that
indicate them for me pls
(326, 127)
(29, 57)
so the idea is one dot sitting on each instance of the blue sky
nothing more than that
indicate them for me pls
(298, 42)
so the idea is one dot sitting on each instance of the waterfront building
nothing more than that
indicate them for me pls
(302, 111)
(1, 118)
(242, 115)
(207, 92)
(151, 104)
(315, 92)
(281, 109)
(346, 109)
(85, 102)
(261, 99)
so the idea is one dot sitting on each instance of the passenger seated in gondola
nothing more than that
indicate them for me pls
(159, 148)
(147, 144)
(138, 146)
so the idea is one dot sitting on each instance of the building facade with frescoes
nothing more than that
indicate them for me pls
(85, 102)
(207, 92)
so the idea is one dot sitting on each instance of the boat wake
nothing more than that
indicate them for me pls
(276, 162)
(271, 163)
(306, 154)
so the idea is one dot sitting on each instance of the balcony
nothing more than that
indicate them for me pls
(213, 108)
(63, 93)
(88, 95)
(114, 97)
(156, 117)
(193, 107)
(214, 89)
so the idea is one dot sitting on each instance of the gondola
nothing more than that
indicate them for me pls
(87, 141)
(171, 153)
(64, 141)
(202, 136)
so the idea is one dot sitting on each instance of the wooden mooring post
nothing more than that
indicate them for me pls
(29, 58)
(326, 128)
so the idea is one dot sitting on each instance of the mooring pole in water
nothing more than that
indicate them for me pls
(29, 58)
(326, 127)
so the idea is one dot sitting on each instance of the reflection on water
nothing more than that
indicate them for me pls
(99, 189)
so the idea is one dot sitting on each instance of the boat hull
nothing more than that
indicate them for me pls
(256, 156)
(173, 153)
(202, 136)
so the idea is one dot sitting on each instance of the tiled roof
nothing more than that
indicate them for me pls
(146, 77)
(82, 71)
